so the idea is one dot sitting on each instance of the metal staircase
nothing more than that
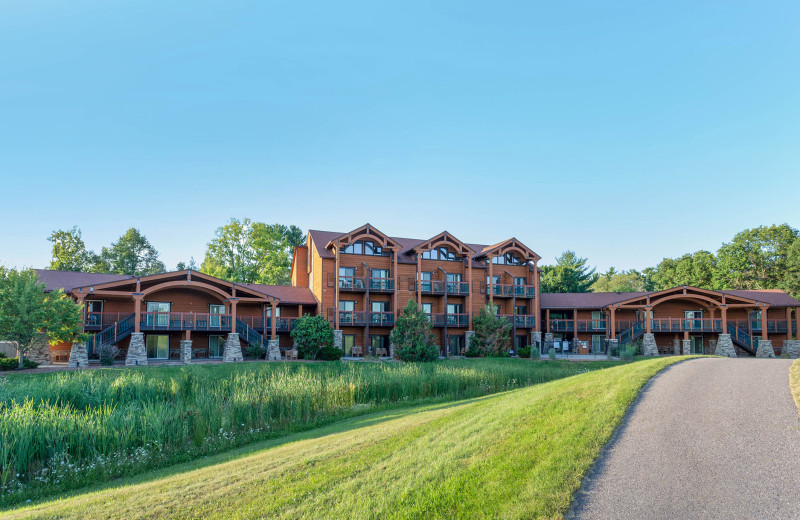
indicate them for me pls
(743, 339)
(248, 334)
(632, 333)
(111, 335)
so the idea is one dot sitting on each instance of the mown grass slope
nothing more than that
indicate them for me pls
(519, 454)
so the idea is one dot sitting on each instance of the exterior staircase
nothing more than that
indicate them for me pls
(111, 335)
(248, 334)
(632, 333)
(743, 339)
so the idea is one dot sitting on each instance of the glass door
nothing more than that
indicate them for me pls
(426, 281)
(378, 316)
(346, 310)
(158, 346)
(380, 280)
(453, 283)
(348, 342)
(455, 345)
(693, 319)
(697, 344)
(158, 314)
(215, 346)
(427, 310)
(214, 318)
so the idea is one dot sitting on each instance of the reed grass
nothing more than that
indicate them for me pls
(65, 430)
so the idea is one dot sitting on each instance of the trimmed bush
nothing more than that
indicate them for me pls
(524, 352)
(330, 354)
(552, 354)
(312, 333)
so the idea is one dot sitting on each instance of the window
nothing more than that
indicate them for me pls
(521, 309)
(755, 320)
(379, 345)
(348, 342)
(157, 346)
(347, 277)
(214, 310)
(427, 308)
(216, 345)
(598, 320)
(507, 259)
(381, 279)
(519, 342)
(694, 320)
(441, 253)
(346, 311)
(377, 315)
(454, 283)
(93, 310)
(598, 343)
(426, 280)
(364, 247)
(157, 314)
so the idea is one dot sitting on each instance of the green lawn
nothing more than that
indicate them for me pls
(69, 429)
(518, 454)
(794, 382)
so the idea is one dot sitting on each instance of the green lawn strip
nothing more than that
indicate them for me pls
(519, 454)
(794, 382)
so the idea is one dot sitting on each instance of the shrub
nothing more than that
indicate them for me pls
(524, 352)
(492, 333)
(311, 333)
(628, 351)
(472, 350)
(412, 336)
(330, 354)
(107, 354)
(255, 350)
(13, 363)
(535, 354)
(552, 354)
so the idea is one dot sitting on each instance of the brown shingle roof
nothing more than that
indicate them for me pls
(771, 296)
(285, 293)
(585, 300)
(68, 280)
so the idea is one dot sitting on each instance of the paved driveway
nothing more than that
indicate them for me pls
(709, 438)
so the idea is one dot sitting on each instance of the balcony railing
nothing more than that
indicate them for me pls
(506, 290)
(101, 320)
(381, 319)
(381, 284)
(185, 321)
(562, 325)
(521, 320)
(440, 287)
(591, 325)
(449, 320)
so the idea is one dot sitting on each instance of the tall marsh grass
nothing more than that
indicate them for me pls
(69, 429)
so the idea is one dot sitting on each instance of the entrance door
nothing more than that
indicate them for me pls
(160, 314)
(348, 342)
(214, 320)
(697, 344)
(455, 345)
(215, 346)
(158, 346)
(693, 320)
(598, 321)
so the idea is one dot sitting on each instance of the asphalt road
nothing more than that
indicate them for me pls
(708, 438)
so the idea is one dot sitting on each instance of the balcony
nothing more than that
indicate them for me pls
(381, 319)
(505, 290)
(180, 321)
(440, 287)
(449, 320)
(381, 284)
(265, 325)
(361, 283)
(525, 321)
(100, 320)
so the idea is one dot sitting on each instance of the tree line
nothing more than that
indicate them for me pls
(242, 251)
(766, 257)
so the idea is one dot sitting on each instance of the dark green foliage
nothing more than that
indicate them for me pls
(255, 350)
(7, 363)
(131, 254)
(492, 333)
(412, 336)
(311, 333)
(329, 354)
(535, 354)
(551, 354)
(569, 275)
(524, 352)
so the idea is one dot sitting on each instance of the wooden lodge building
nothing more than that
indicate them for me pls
(362, 279)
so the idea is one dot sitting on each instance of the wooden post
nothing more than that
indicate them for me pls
(137, 310)
(490, 285)
(300, 311)
(547, 320)
(797, 322)
(788, 323)
(234, 301)
(612, 324)
(419, 279)
(724, 319)
(469, 280)
(396, 284)
(647, 323)
(336, 289)
(764, 334)
(574, 323)
(274, 323)
(537, 303)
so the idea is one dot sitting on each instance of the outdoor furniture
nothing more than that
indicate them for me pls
(382, 352)
(358, 351)
(291, 355)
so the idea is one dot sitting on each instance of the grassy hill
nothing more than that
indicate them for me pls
(518, 454)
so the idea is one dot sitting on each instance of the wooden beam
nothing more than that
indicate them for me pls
(764, 334)
(336, 288)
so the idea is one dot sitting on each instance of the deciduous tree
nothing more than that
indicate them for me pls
(132, 254)
(311, 333)
(69, 252)
(755, 259)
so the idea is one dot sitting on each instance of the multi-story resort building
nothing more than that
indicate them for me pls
(361, 280)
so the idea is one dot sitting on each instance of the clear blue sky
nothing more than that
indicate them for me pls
(627, 131)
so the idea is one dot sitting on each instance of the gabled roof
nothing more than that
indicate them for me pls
(447, 239)
(365, 231)
(287, 294)
(770, 296)
(68, 280)
(585, 300)
(511, 244)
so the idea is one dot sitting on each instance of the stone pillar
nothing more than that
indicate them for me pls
(338, 339)
(712, 345)
(536, 341)
(687, 347)
(612, 345)
(468, 335)
(186, 351)
(78, 357)
(765, 349)
(724, 346)
(391, 350)
(649, 347)
(676, 347)
(792, 347)
(137, 352)
(273, 350)
(548, 342)
(232, 351)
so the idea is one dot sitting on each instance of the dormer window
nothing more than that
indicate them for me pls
(364, 247)
(508, 259)
(441, 253)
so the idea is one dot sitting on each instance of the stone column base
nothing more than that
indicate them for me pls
(232, 351)
(725, 346)
(137, 352)
(687, 347)
(536, 342)
(765, 349)
(338, 339)
(186, 350)
(548, 342)
(649, 347)
(676, 347)
(273, 350)
(612, 345)
(78, 357)
(791, 347)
